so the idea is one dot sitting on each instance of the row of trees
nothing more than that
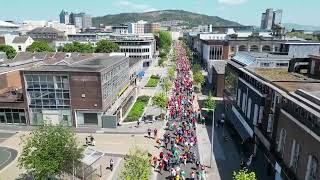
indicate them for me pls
(103, 46)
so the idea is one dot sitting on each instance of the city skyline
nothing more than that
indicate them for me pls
(246, 12)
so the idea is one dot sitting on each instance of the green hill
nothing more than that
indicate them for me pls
(189, 19)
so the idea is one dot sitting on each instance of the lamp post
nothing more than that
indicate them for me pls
(212, 133)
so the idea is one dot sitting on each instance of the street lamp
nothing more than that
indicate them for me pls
(212, 133)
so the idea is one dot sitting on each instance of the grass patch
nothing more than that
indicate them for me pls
(137, 109)
(153, 81)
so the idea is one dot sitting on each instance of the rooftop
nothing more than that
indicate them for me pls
(218, 66)
(7, 24)
(279, 74)
(20, 39)
(44, 30)
(93, 62)
(288, 81)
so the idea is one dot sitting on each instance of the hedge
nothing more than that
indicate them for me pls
(137, 109)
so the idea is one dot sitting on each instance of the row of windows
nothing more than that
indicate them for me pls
(304, 116)
(142, 57)
(132, 43)
(114, 71)
(253, 48)
(216, 52)
(259, 86)
(312, 166)
(8, 116)
(135, 50)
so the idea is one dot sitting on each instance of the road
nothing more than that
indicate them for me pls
(183, 87)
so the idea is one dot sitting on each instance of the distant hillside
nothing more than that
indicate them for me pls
(190, 19)
(290, 26)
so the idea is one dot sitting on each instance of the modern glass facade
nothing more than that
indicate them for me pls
(48, 98)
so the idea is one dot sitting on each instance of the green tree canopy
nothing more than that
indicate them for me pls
(9, 50)
(196, 68)
(160, 100)
(166, 84)
(244, 175)
(39, 46)
(78, 47)
(210, 103)
(171, 72)
(198, 78)
(136, 166)
(165, 39)
(106, 46)
(50, 151)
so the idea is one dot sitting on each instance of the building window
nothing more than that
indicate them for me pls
(270, 123)
(239, 97)
(282, 141)
(255, 114)
(312, 168)
(266, 48)
(19, 48)
(249, 108)
(294, 156)
(242, 48)
(244, 97)
(215, 52)
(260, 114)
(254, 48)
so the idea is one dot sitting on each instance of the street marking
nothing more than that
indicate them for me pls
(7, 158)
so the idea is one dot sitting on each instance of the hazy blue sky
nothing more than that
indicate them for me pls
(247, 12)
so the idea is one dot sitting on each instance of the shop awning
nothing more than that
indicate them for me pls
(140, 73)
(241, 125)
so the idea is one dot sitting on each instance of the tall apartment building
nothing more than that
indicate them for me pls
(270, 19)
(80, 20)
(143, 27)
(64, 17)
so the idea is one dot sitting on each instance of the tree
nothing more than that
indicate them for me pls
(39, 46)
(105, 46)
(243, 174)
(136, 166)
(49, 151)
(198, 78)
(165, 39)
(196, 68)
(160, 100)
(210, 103)
(166, 85)
(171, 72)
(9, 50)
(77, 47)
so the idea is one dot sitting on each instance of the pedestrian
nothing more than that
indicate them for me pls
(192, 175)
(161, 166)
(198, 164)
(183, 175)
(173, 173)
(111, 164)
(155, 131)
(149, 132)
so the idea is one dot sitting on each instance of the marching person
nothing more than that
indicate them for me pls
(111, 164)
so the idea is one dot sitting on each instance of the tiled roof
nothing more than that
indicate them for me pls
(20, 39)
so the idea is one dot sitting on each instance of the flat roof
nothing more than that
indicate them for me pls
(288, 81)
(302, 43)
(268, 55)
(278, 74)
(91, 64)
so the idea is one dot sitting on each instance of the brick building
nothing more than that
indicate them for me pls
(275, 111)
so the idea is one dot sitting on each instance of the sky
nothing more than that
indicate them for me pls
(246, 12)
